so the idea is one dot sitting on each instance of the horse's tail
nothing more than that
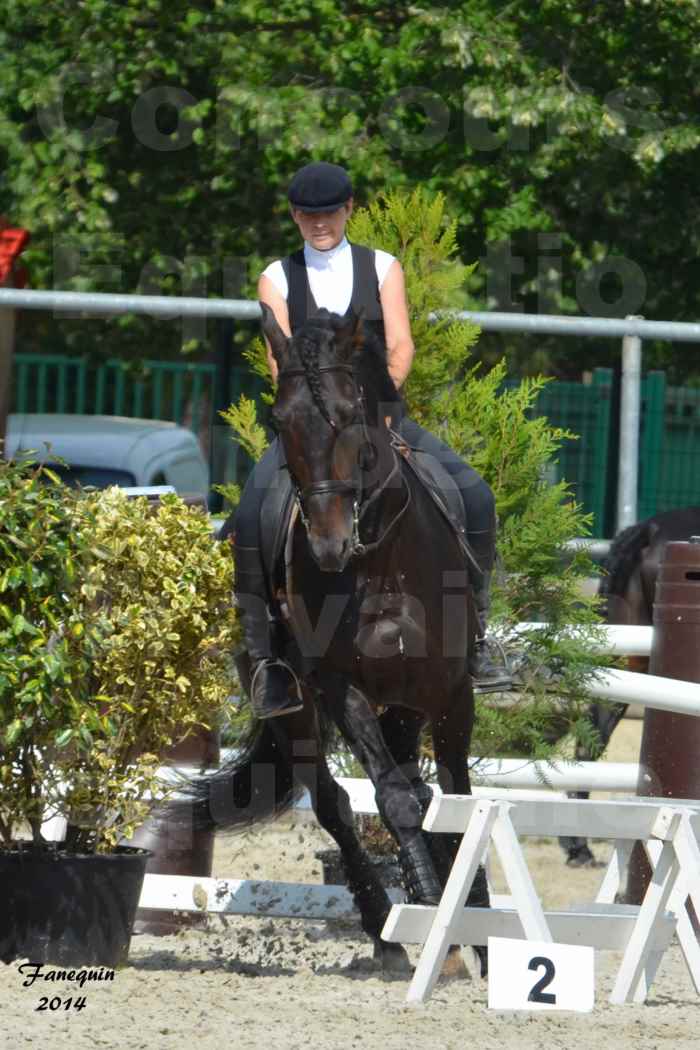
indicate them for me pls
(622, 559)
(255, 784)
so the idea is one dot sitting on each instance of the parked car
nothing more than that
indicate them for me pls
(112, 450)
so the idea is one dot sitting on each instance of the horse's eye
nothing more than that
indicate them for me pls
(345, 413)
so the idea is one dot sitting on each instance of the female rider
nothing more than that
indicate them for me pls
(332, 274)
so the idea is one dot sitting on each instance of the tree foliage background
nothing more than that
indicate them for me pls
(147, 147)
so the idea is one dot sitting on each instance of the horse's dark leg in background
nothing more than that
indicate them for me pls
(397, 803)
(401, 728)
(451, 731)
(605, 719)
(626, 589)
(299, 740)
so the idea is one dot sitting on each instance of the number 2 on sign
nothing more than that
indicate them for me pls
(537, 994)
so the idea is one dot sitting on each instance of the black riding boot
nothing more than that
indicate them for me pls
(488, 667)
(273, 687)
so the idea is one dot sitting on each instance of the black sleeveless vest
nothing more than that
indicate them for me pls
(365, 290)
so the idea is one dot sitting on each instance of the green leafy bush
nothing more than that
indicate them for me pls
(116, 629)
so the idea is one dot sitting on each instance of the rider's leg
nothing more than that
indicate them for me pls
(489, 669)
(274, 688)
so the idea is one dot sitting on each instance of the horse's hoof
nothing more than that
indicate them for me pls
(454, 965)
(428, 900)
(581, 857)
(393, 958)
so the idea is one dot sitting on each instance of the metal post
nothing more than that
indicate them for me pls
(671, 742)
(7, 342)
(630, 402)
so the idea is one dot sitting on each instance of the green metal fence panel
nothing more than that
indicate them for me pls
(677, 480)
(184, 392)
(653, 396)
(585, 409)
(179, 391)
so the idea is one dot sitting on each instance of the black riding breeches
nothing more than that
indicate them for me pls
(268, 471)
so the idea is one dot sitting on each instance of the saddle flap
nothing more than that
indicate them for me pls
(275, 515)
(442, 488)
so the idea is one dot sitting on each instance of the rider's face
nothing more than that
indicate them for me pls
(323, 229)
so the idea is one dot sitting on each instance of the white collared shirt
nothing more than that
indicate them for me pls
(330, 275)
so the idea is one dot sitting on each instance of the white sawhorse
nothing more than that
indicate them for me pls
(641, 933)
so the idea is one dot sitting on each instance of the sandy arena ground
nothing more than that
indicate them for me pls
(256, 983)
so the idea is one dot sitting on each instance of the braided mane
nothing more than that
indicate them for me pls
(308, 354)
(368, 361)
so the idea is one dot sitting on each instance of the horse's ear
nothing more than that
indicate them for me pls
(273, 333)
(351, 336)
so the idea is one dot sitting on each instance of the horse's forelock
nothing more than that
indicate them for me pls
(315, 344)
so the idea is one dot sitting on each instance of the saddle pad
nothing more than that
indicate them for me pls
(443, 489)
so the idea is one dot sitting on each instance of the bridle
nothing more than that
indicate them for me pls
(361, 502)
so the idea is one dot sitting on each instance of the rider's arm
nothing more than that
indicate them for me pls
(397, 328)
(267, 293)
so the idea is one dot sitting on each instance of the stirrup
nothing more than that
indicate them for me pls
(501, 679)
(262, 707)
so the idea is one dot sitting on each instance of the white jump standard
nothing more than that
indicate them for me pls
(642, 933)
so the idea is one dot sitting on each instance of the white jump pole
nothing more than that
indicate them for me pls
(664, 694)
(621, 639)
(560, 776)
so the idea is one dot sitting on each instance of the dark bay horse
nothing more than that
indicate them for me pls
(627, 589)
(380, 622)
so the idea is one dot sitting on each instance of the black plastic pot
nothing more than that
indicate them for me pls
(386, 866)
(72, 910)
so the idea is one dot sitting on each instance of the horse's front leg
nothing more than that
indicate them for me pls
(397, 802)
(300, 741)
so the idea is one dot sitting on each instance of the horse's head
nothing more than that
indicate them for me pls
(332, 428)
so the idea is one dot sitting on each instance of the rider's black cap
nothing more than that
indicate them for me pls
(320, 187)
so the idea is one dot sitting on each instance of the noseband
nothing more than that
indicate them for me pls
(354, 487)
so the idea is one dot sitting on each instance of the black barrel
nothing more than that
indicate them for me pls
(670, 752)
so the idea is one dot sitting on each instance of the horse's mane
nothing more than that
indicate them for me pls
(625, 550)
(369, 360)
(371, 366)
(623, 557)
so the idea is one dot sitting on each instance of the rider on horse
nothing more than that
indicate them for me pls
(331, 273)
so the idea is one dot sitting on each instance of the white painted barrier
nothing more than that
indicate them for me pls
(622, 639)
(522, 774)
(560, 776)
(669, 831)
(663, 694)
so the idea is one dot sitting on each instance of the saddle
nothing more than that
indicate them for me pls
(276, 511)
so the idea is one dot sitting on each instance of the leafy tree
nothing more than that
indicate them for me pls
(158, 139)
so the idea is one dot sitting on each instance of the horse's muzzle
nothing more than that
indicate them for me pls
(331, 554)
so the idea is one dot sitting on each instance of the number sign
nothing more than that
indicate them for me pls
(534, 975)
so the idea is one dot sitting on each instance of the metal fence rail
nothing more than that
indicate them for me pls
(105, 303)
(666, 446)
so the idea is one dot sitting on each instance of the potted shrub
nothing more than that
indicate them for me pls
(116, 627)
